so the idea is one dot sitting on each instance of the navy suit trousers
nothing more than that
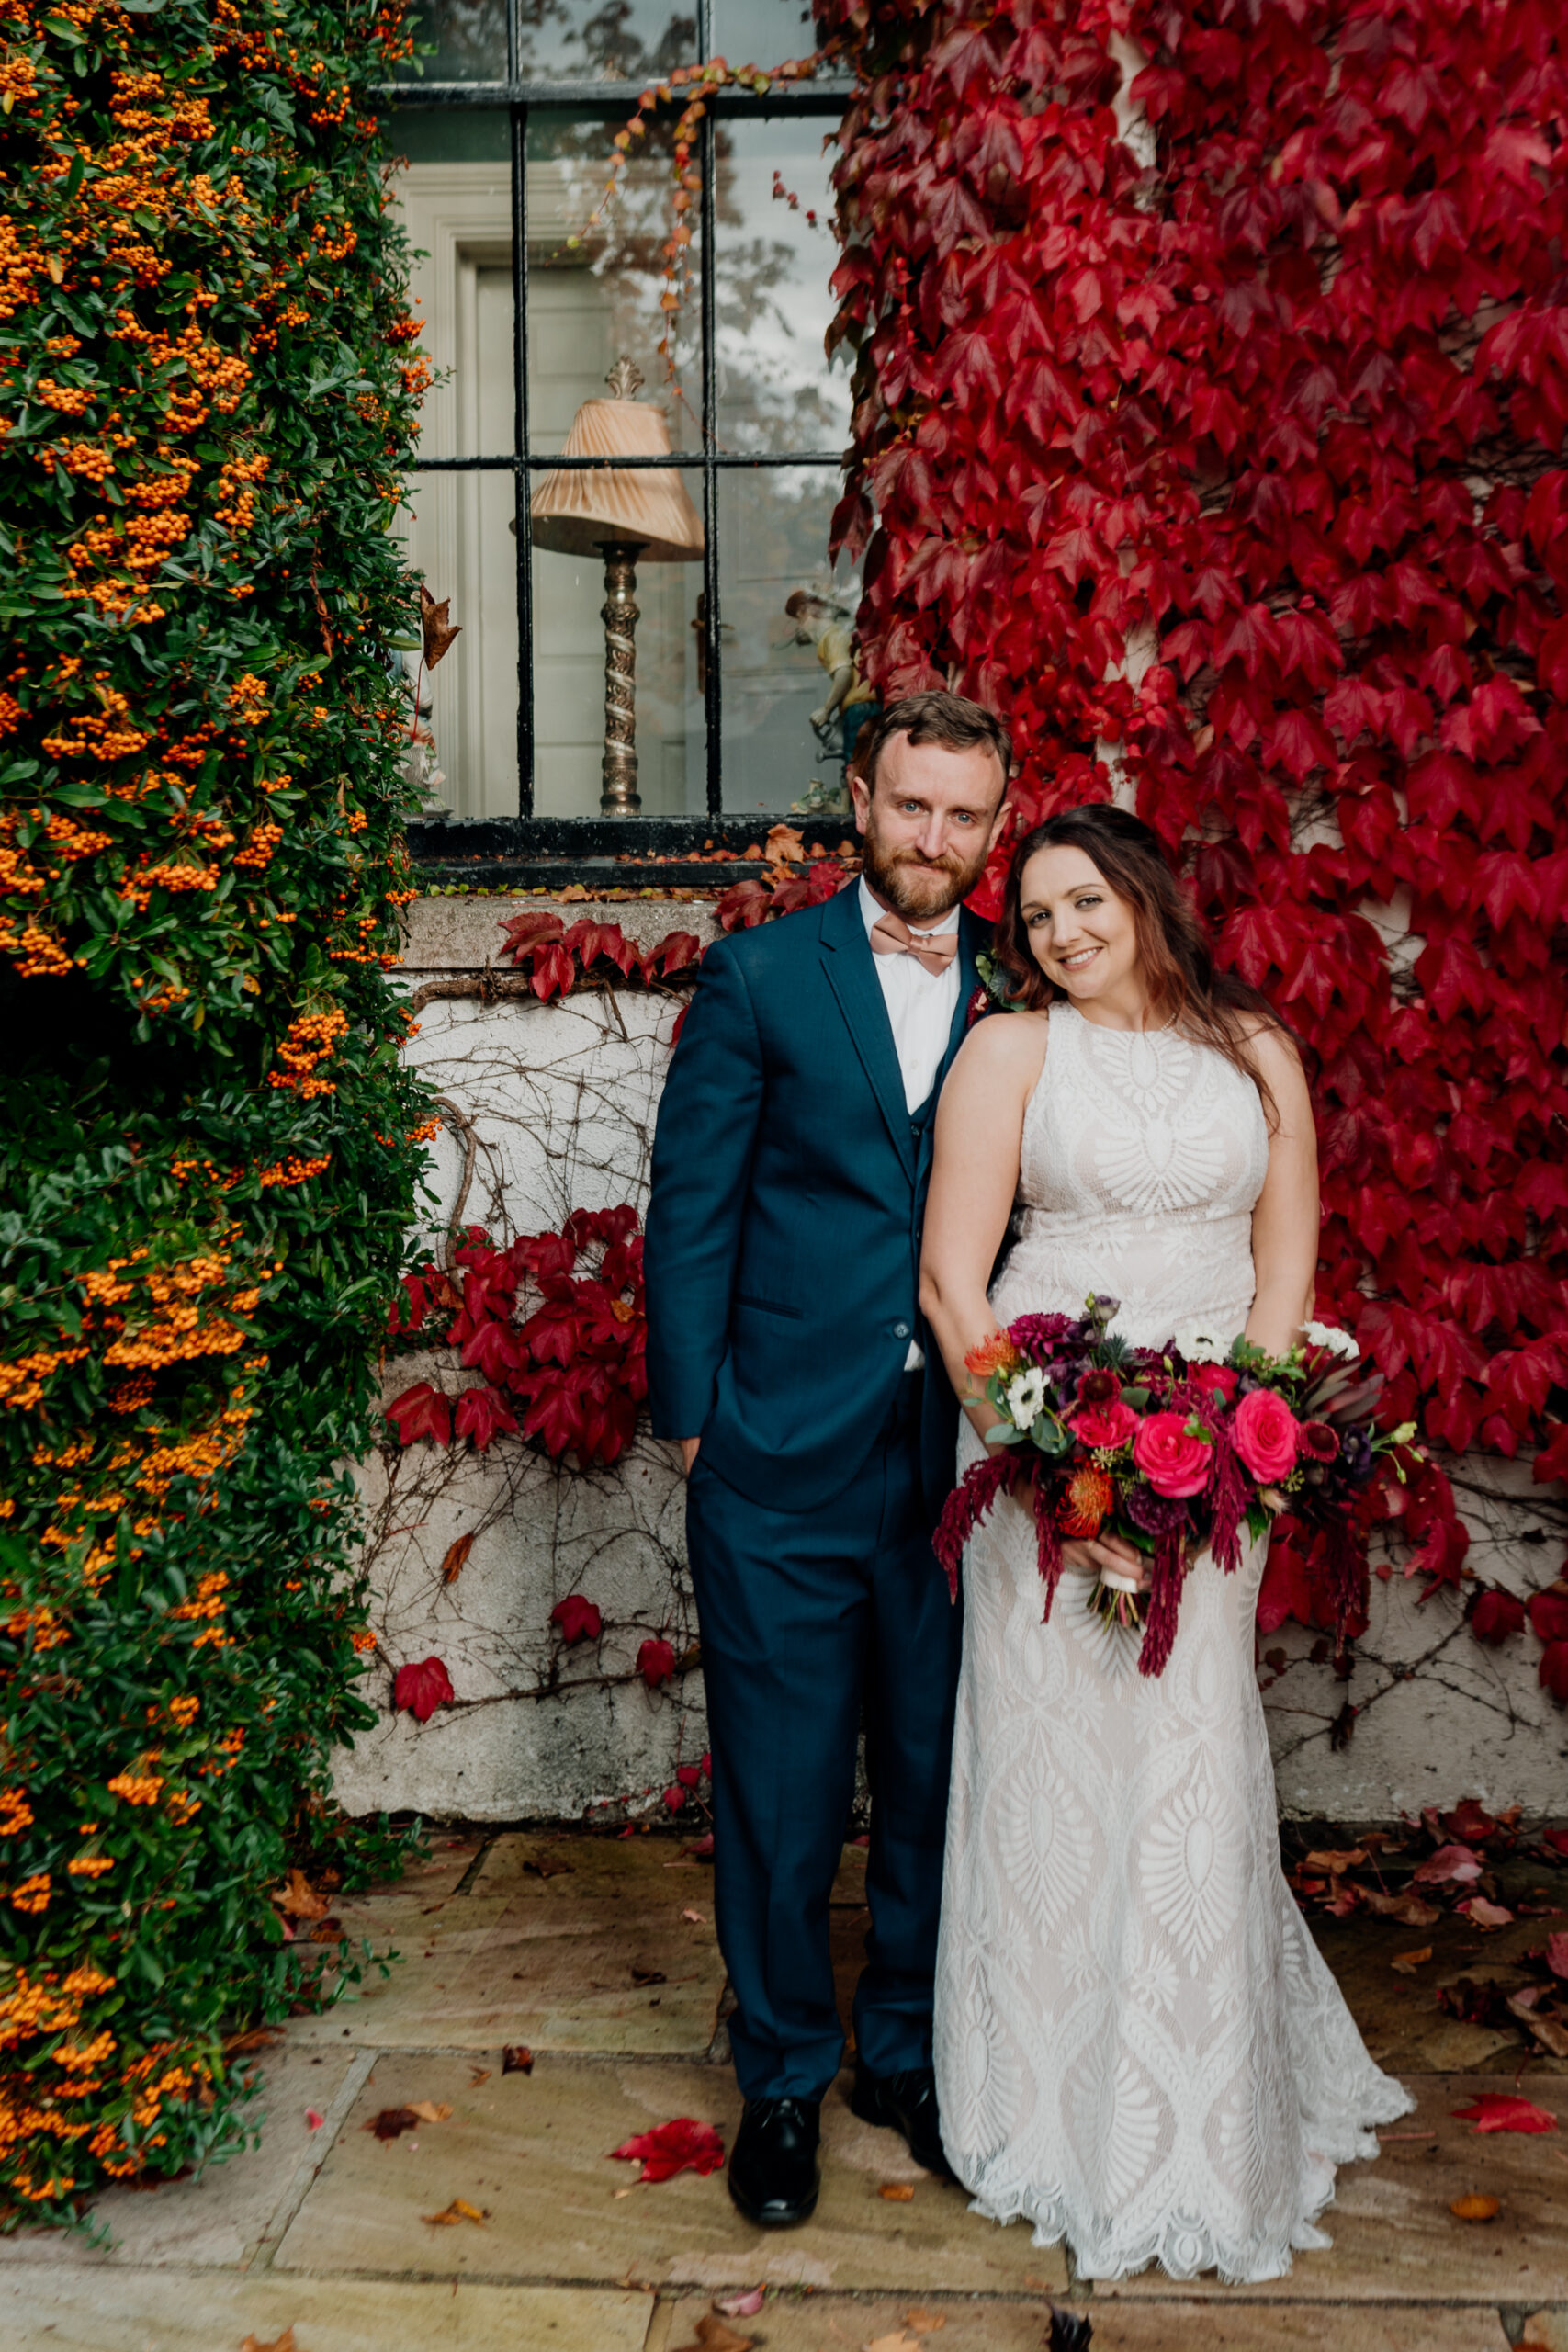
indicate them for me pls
(807, 1618)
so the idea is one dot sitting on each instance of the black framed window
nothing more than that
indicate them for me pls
(508, 131)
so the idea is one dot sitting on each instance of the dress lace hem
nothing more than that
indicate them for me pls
(1184, 2246)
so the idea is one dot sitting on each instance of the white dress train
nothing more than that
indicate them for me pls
(1138, 2045)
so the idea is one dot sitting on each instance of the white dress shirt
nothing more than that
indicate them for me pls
(920, 1006)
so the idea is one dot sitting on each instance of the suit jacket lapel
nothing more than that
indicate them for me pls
(851, 975)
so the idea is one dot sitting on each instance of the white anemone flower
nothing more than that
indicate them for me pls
(1197, 1343)
(1323, 1335)
(1026, 1396)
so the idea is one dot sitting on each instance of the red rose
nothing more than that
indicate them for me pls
(1214, 1379)
(1267, 1436)
(1104, 1425)
(1174, 1462)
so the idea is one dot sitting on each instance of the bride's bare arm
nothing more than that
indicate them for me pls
(979, 1135)
(979, 1131)
(1285, 1222)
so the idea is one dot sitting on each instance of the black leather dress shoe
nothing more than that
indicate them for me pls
(905, 2103)
(774, 2176)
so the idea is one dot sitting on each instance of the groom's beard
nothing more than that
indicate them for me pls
(922, 890)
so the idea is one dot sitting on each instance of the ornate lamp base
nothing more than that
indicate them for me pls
(618, 796)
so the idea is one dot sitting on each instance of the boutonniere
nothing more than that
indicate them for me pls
(993, 995)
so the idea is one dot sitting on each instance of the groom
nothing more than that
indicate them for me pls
(788, 1355)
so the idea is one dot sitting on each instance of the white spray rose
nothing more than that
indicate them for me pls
(1197, 1344)
(1323, 1335)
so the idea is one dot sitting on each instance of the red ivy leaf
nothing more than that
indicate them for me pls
(421, 1688)
(1501, 2111)
(421, 1411)
(579, 1620)
(655, 1663)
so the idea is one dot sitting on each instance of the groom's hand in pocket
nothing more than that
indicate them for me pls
(688, 1452)
(1090, 1556)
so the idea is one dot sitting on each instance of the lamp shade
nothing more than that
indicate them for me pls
(574, 514)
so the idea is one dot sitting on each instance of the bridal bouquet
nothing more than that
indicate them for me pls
(1170, 1448)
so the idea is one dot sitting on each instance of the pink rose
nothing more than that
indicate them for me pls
(1266, 1435)
(1104, 1425)
(1174, 1462)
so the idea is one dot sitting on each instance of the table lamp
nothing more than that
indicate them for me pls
(628, 518)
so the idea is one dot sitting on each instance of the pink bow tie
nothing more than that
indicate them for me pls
(933, 950)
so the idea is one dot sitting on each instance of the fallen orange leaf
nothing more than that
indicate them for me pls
(899, 2343)
(429, 2111)
(694, 1918)
(459, 2210)
(481, 2075)
(299, 1897)
(715, 2336)
(1405, 1963)
(1334, 1862)
(456, 1557)
(1410, 1910)
(284, 2343)
(1474, 2209)
(897, 2192)
(925, 2323)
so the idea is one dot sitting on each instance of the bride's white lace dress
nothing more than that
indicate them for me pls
(1138, 2047)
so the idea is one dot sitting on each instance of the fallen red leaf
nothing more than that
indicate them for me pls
(1449, 1866)
(1556, 1954)
(391, 2122)
(680, 2145)
(314, 2117)
(516, 2059)
(423, 1688)
(1501, 2111)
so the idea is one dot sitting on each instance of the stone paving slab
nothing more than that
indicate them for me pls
(220, 2218)
(548, 1947)
(817, 2323)
(1393, 2235)
(1398, 2015)
(534, 2148)
(142, 2312)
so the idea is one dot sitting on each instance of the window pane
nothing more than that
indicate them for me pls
(449, 135)
(596, 303)
(782, 668)
(568, 688)
(760, 32)
(470, 37)
(603, 40)
(459, 216)
(774, 304)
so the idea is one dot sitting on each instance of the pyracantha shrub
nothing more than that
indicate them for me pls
(207, 1151)
(1212, 381)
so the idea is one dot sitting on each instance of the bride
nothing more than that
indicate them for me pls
(1138, 2047)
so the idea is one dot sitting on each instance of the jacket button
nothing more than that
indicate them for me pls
(900, 1331)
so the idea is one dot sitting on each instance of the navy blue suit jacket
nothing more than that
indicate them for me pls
(783, 1232)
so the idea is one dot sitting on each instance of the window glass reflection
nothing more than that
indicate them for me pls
(775, 253)
(603, 40)
(793, 698)
(568, 688)
(760, 32)
(469, 37)
(600, 300)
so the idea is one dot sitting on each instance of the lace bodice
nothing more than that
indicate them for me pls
(1144, 1152)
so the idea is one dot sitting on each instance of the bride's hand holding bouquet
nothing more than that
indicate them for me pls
(1135, 1458)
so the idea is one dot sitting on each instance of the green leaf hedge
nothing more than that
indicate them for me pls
(208, 1155)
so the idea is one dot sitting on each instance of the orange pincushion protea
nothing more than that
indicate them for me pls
(995, 1354)
(1089, 1494)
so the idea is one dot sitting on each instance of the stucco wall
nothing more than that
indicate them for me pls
(562, 1100)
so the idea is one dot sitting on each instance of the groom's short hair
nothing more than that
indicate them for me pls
(935, 717)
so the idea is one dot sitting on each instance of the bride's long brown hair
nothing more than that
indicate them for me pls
(1211, 1007)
